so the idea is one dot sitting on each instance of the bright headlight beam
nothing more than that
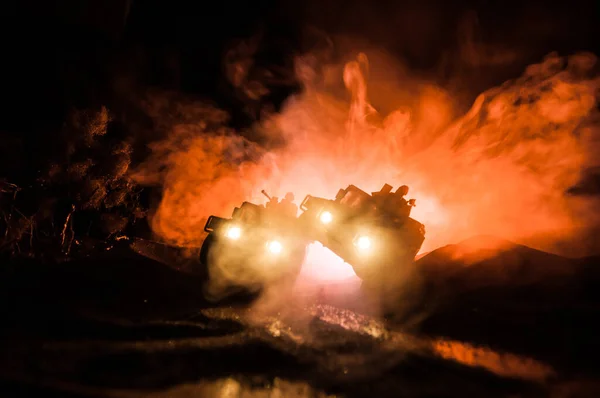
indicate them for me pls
(274, 247)
(326, 217)
(234, 233)
(363, 243)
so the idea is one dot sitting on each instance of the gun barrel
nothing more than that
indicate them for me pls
(266, 194)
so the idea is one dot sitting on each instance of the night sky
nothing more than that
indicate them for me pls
(63, 54)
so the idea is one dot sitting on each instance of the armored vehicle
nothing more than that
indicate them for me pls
(374, 233)
(256, 247)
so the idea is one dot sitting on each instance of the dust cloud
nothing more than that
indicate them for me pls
(503, 168)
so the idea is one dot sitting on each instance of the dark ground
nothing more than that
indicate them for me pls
(518, 323)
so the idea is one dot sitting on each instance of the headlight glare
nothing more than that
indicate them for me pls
(363, 243)
(326, 217)
(274, 247)
(234, 233)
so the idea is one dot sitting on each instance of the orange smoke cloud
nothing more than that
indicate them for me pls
(502, 169)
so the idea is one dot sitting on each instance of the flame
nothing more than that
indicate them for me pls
(500, 169)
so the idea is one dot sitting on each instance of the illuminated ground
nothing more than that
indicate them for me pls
(506, 321)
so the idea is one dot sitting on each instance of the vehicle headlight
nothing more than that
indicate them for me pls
(234, 233)
(274, 247)
(326, 217)
(363, 243)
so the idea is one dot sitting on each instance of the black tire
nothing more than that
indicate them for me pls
(205, 249)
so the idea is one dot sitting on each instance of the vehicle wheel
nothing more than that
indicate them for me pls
(204, 250)
(215, 289)
(288, 270)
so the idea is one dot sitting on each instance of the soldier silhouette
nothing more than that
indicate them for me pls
(287, 205)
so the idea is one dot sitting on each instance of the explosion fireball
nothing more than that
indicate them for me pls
(503, 168)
